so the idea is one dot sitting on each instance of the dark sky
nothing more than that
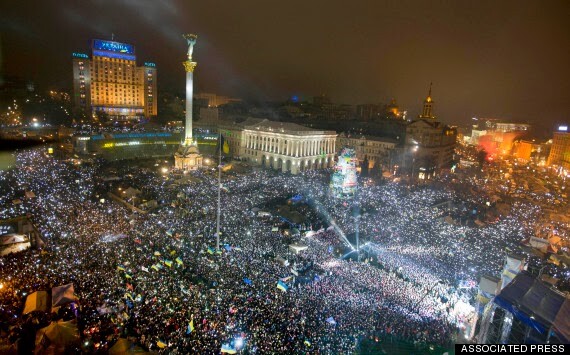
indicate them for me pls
(507, 59)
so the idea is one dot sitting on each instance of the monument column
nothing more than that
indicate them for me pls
(189, 67)
(188, 157)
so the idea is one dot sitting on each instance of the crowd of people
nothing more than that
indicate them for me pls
(158, 279)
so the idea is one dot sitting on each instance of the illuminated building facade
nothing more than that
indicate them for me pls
(283, 146)
(137, 145)
(110, 83)
(523, 149)
(500, 138)
(429, 144)
(82, 81)
(560, 150)
(375, 150)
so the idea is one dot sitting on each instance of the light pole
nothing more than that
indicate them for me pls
(219, 193)
(413, 151)
(439, 282)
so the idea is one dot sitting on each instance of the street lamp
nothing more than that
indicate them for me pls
(414, 149)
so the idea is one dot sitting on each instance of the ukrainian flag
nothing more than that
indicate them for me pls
(228, 349)
(190, 327)
(168, 263)
(211, 250)
(179, 261)
(161, 344)
(121, 268)
(154, 267)
(308, 343)
(282, 286)
(128, 276)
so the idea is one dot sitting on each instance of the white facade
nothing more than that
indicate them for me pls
(287, 147)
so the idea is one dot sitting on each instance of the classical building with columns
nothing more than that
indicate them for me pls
(283, 146)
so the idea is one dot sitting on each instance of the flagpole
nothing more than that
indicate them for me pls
(219, 193)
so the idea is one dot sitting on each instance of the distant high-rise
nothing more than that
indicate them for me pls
(368, 111)
(110, 82)
(560, 150)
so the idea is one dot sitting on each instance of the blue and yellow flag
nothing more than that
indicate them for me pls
(282, 286)
(121, 268)
(226, 348)
(211, 250)
(190, 328)
(306, 342)
(161, 344)
(224, 146)
(179, 261)
(128, 276)
(168, 263)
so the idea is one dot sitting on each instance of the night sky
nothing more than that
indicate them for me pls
(506, 59)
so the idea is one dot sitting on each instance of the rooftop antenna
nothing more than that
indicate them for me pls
(112, 36)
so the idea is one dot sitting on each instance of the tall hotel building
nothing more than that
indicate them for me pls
(560, 150)
(111, 82)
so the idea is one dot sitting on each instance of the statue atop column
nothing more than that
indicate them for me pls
(191, 39)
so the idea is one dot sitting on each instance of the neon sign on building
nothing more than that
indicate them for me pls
(80, 55)
(111, 46)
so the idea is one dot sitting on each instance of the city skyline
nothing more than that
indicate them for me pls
(265, 177)
(486, 60)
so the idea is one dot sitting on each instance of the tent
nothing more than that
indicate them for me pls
(124, 346)
(61, 295)
(57, 335)
(282, 261)
(297, 248)
(131, 192)
(13, 243)
(12, 238)
(36, 301)
(536, 305)
(310, 234)
(539, 243)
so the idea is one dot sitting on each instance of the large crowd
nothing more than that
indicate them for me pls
(157, 278)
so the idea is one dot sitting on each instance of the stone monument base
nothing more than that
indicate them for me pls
(188, 157)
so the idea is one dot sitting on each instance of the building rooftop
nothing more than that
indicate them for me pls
(283, 127)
